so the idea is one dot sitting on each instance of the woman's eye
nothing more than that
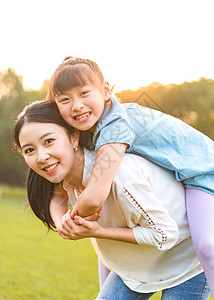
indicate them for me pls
(28, 150)
(48, 141)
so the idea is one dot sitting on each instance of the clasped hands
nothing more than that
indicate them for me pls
(74, 227)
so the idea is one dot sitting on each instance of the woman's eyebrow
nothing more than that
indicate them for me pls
(26, 145)
(42, 137)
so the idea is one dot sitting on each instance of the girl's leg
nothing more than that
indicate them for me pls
(200, 211)
(195, 288)
(115, 289)
(103, 273)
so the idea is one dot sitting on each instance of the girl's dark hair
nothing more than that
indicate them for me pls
(73, 72)
(40, 190)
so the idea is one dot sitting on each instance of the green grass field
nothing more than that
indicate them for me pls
(37, 265)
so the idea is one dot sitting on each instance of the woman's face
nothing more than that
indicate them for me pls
(48, 150)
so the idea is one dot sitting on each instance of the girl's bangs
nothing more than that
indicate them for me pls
(70, 77)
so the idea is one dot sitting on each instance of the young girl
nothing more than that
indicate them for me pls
(142, 233)
(85, 102)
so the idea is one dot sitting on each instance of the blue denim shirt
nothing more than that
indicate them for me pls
(161, 138)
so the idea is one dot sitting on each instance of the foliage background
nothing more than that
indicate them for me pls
(193, 102)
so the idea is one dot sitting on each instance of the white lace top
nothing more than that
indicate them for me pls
(148, 199)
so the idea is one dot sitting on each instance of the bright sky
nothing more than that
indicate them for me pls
(134, 42)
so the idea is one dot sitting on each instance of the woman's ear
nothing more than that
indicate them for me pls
(75, 138)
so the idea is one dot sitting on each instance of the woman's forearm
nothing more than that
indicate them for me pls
(118, 234)
(93, 229)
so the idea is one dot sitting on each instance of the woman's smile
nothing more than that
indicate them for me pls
(52, 168)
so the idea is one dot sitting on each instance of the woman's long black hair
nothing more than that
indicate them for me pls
(40, 190)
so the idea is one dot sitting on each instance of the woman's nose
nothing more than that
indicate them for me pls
(42, 156)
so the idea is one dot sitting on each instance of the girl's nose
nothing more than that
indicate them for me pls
(77, 105)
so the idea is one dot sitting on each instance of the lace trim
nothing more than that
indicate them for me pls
(146, 216)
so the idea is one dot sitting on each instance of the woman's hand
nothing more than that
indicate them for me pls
(78, 228)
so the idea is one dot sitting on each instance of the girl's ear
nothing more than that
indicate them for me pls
(107, 91)
(75, 138)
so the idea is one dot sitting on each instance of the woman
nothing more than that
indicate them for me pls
(142, 234)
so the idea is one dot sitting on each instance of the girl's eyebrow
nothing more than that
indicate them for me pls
(64, 93)
(61, 96)
(42, 137)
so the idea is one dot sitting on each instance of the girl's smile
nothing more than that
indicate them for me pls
(80, 118)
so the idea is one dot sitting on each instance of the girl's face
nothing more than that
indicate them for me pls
(82, 106)
(48, 150)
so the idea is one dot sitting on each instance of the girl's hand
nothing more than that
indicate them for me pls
(93, 217)
(79, 228)
(72, 215)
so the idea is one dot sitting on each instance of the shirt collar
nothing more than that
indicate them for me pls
(115, 108)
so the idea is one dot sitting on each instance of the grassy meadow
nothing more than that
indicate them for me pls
(37, 265)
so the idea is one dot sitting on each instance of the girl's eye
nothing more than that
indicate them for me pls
(83, 93)
(64, 100)
(48, 141)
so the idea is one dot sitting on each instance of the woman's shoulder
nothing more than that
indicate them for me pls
(134, 168)
(137, 169)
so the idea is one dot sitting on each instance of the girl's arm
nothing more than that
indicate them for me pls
(108, 158)
(59, 207)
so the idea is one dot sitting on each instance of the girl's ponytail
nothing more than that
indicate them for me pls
(67, 58)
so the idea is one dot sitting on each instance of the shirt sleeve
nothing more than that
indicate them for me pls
(148, 218)
(118, 130)
(114, 126)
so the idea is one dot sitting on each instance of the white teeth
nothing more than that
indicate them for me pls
(82, 116)
(51, 167)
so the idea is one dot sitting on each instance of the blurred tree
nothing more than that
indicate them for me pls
(34, 95)
(193, 102)
(13, 99)
(11, 103)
